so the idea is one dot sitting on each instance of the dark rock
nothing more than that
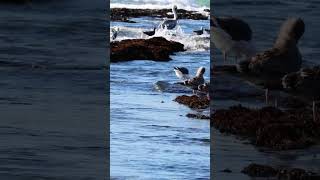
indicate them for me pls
(123, 14)
(157, 49)
(194, 102)
(197, 116)
(270, 127)
(256, 170)
(226, 171)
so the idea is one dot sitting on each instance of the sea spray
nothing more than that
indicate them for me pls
(191, 42)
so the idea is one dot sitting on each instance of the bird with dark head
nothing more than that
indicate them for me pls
(150, 33)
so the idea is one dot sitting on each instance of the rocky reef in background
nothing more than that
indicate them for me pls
(124, 14)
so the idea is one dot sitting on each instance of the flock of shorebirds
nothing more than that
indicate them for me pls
(233, 37)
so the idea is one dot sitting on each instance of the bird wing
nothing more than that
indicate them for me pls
(236, 28)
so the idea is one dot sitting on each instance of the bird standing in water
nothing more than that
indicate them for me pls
(232, 36)
(172, 22)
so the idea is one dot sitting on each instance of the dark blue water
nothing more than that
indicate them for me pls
(53, 90)
(265, 18)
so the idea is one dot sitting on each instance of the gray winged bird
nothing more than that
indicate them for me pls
(170, 23)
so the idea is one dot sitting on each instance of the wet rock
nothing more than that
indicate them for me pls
(226, 171)
(123, 14)
(197, 116)
(284, 57)
(257, 170)
(194, 102)
(270, 127)
(157, 49)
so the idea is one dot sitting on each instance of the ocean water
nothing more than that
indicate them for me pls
(265, 18)
(53, 90)
(150, 136)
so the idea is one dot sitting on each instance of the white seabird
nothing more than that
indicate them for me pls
(232, 36)
(182, 73)
(172, 22)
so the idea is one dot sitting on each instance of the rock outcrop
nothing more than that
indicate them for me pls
(156, 49)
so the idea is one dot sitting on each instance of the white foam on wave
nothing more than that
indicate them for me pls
(191, 5)
(191, 42)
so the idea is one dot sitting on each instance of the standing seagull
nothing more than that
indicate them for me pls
(197, 80)
(170, 23)
(232, 36)
(182, 73)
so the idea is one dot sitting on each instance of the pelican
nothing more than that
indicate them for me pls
(182, 73)
(232, 36)
(172, 22)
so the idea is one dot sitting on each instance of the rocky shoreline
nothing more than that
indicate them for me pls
(124, 14)
(156, 49)
(258, 170)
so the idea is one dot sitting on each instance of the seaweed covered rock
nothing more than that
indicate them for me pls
(270, 127)
(157, 49)
(194, 101)
(123, 14)
(257, 170)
